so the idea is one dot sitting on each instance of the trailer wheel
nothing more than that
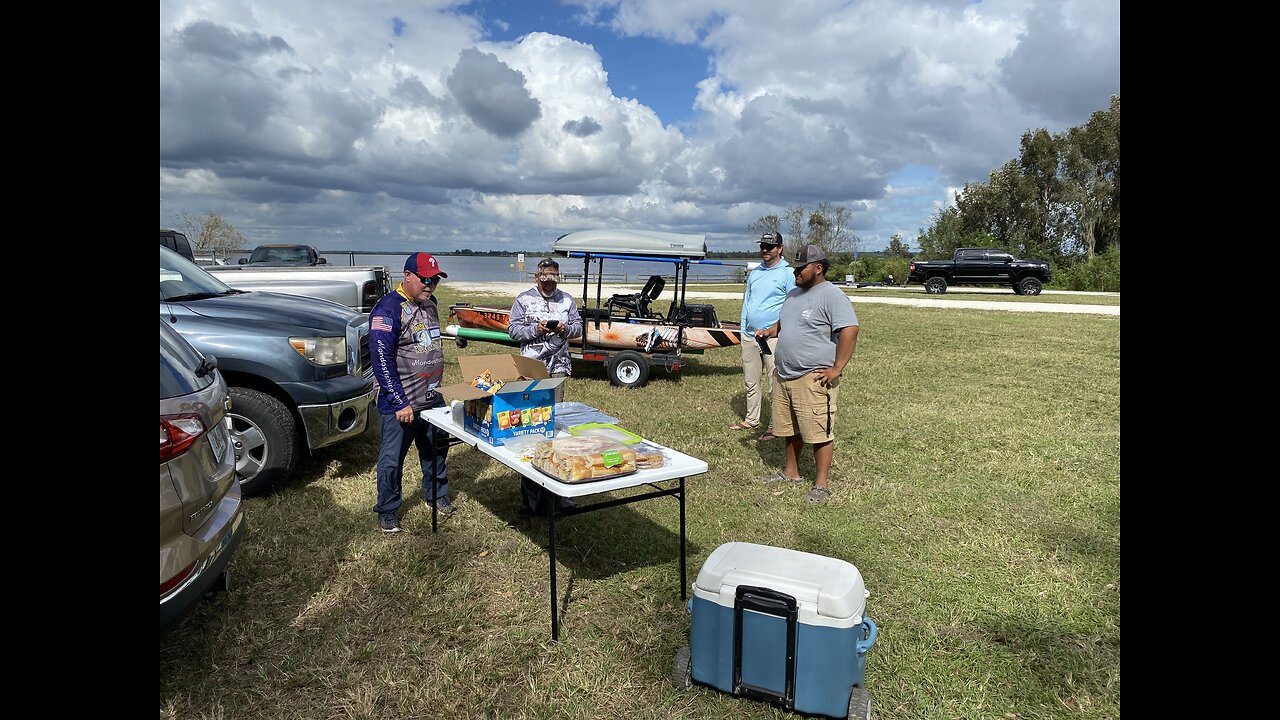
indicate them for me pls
(266, 440)
(1029, 286)
(460, 342)
(935, 285)
(859, 704)
(682, 670)
(628, 369)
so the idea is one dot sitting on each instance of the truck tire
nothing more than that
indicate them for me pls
(1029, 286)
(628, 369)
(265, 437)
(935, 285)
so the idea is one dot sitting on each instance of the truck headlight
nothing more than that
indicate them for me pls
(321, 350)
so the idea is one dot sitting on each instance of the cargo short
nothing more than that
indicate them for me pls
(806, 408)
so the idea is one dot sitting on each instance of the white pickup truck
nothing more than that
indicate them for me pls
(359, 287)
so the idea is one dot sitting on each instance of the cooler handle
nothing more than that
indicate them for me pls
(766, 600)
(864, 645)
(771, 602)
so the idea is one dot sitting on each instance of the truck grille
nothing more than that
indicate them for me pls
(366, 360)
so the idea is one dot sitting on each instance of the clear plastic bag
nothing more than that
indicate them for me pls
(569, 414)
(649, 456)
(522, 446)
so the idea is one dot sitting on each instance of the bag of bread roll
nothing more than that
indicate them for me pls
(581, 459)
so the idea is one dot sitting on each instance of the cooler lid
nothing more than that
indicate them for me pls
(828, 587)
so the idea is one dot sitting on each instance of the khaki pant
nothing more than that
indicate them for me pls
(753, 364)
(804, 407)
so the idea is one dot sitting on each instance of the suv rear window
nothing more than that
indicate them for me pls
(178, 365)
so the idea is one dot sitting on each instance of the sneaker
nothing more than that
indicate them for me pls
(443, 505)
(389, 523)
(817, 495)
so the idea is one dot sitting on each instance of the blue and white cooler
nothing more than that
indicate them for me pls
(781, 625)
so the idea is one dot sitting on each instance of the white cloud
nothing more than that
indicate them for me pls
(384, 121)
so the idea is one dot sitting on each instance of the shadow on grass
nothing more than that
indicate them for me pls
(595, 544)
(1080, 669)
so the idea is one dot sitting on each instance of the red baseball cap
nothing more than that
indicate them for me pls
(425, 265)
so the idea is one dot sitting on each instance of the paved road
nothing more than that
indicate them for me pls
(860, 296)
(991, 305)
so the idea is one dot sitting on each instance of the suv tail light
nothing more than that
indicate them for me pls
(177, 433)
(911, 267)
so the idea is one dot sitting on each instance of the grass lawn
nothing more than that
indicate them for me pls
(976, 485)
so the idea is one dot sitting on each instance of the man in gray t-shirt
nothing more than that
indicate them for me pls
(817, 332)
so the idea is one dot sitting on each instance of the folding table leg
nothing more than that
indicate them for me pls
(551, 532)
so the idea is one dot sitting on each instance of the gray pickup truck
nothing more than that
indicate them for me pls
(298, 368)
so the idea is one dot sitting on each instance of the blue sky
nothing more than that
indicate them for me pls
(432, 125)
(662, 74)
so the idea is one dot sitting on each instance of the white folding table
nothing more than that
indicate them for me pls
(678, 467)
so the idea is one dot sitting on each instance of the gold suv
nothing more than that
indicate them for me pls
(201, 517)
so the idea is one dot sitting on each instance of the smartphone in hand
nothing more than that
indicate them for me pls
(764, 346)
(553, 324)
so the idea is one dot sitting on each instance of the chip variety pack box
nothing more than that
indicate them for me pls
(516, 407)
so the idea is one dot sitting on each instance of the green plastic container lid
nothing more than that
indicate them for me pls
(607, 431)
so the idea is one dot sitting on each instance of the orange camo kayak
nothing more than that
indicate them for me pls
(616, 334)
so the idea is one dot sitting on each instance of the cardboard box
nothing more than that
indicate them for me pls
(518, 408)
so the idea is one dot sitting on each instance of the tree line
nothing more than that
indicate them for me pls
(1059, 200)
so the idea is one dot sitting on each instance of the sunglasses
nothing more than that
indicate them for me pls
(546, 277)
(428, 281)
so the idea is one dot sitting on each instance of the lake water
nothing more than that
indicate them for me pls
(479, 268)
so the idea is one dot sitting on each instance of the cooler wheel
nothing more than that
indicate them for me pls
(682, 670)
(859, 704)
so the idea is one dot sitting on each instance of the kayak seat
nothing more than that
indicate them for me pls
(637, 303)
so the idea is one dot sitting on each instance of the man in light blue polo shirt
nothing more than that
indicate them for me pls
(767, 286)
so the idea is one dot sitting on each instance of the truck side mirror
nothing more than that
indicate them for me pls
(322, 261)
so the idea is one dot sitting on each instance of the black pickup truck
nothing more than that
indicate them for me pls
(981, 266)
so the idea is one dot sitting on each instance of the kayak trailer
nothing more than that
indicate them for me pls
(624, 331)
